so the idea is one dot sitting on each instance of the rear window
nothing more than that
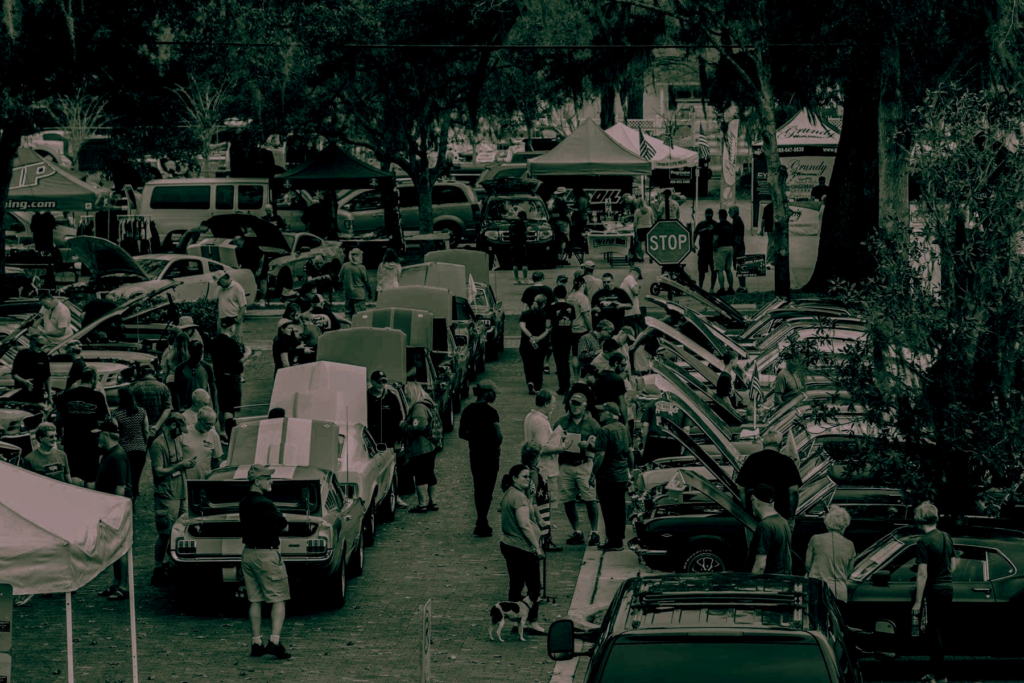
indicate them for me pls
(736, 661)
(180, 197)
(250, 197)
(449, 194)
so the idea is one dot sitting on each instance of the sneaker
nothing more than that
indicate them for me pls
(257, 650)
(595, 539)
(277, 649)
(575, 539)
(531, 390)
(483, 532)
(609, 548)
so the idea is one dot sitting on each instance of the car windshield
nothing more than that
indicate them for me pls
(874, 557)
(152, 267)
(219, 497)
(737, 660)
(480, 296)
(506, 209)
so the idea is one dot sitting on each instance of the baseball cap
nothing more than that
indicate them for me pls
(589, 264)
(108, 425)
(378, 376)
(578, 273)
(579, 398)
(611, 408)
(177, 417)
(228, 321)
(257, 471)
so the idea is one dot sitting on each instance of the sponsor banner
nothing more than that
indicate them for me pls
(729, 152)
(26, 205)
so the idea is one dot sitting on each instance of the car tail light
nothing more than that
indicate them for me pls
(185, 547)
(316, 546)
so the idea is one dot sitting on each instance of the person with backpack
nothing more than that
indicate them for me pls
(423, 439)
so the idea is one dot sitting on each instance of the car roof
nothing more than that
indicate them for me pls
(720, 600)
(967, 532)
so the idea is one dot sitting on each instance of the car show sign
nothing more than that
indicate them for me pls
(669, 242)
(750, 266)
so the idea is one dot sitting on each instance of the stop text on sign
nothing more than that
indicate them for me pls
(667, 242)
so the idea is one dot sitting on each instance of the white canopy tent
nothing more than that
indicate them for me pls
(56, 538)
(665, 156)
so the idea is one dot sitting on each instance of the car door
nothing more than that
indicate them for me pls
(351, 520)
(377, 469)
(972, 623)
(333, 505)
(195, 281)
(881, 598)
(367, 210)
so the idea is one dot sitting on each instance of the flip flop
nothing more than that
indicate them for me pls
(118, 594)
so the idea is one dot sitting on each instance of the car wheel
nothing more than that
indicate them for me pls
(655, 289)
(370, 526)
(448, 420)
(387, 513)
(339, 585)
(704, 561)
(354, 567)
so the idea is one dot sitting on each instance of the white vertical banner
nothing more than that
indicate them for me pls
(729, 152)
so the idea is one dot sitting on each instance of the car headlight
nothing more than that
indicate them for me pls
(492, 235)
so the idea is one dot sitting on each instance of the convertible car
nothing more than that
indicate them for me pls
(322, 546)
(114, 272)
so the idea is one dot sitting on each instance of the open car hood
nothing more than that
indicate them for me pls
(416, 324)
(679, 375)
(449, 276)
(708, 359)
(128, 305)
(718, 339)
(232, 225)
(678, 352)
(476, 263)
(369, 347)
(333, 385)
(433, 299)
(103, 257)
(17, 333)
(712, 465)
(716, 303)
(286, 442)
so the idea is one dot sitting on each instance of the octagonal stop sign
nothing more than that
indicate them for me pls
(669, 242)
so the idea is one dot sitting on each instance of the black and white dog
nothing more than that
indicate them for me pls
(516, 611)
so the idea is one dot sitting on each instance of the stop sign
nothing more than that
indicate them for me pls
(669, 242)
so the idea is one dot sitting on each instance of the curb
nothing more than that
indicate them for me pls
(582, 599)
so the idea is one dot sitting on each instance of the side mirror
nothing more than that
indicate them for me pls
(885, 628)
(497, 304)
(303, 250)
(880, 579)
(562, 641)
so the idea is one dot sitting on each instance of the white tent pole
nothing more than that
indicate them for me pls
(131, 614)
(71, 654)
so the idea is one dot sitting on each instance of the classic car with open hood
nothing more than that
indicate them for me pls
(114, 272)
(481, 294)
(322, 546)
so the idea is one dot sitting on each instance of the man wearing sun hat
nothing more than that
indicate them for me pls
(266, 578)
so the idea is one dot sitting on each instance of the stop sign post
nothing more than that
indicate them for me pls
(669, 242)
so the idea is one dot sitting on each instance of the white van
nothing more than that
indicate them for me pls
(184, 203)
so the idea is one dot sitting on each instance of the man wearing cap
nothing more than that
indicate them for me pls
(631, 286)
(167, 457)
(355, 283)
(593, 283)
(384, 410)
(81, 409)
(231, 301)
(610, 303)
(31, 371)
(55, 319)
(266, 578)
(114, 477)
(613, 459)
(576, 467)
(770, 548)
(704, 234)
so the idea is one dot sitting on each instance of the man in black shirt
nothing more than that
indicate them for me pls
(479, 426)
(819, 191)
(384, 410)
(266, 579)
(775, 470)
(705, 235)
(610, 303)
(609, 387)
(80, 409)
(250, 256)
(533, 345)
(517, 246)
(538, 287)
(114, 476)
(724, 252)
(770, 550)
(936, 561)
(562, 315)
(31, 372)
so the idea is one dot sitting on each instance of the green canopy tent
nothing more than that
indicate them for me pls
(38, 185)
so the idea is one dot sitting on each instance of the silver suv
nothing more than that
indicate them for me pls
(456, 209)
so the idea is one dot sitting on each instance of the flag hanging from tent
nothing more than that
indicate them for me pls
(646, 149)
(702, 144)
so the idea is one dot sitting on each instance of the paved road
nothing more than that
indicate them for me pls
(373, 638)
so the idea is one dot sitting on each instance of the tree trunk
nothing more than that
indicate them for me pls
(608, 96)
(425, 187)
(851, 215)
(776, 183)
(632, 97)
(893, 169)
